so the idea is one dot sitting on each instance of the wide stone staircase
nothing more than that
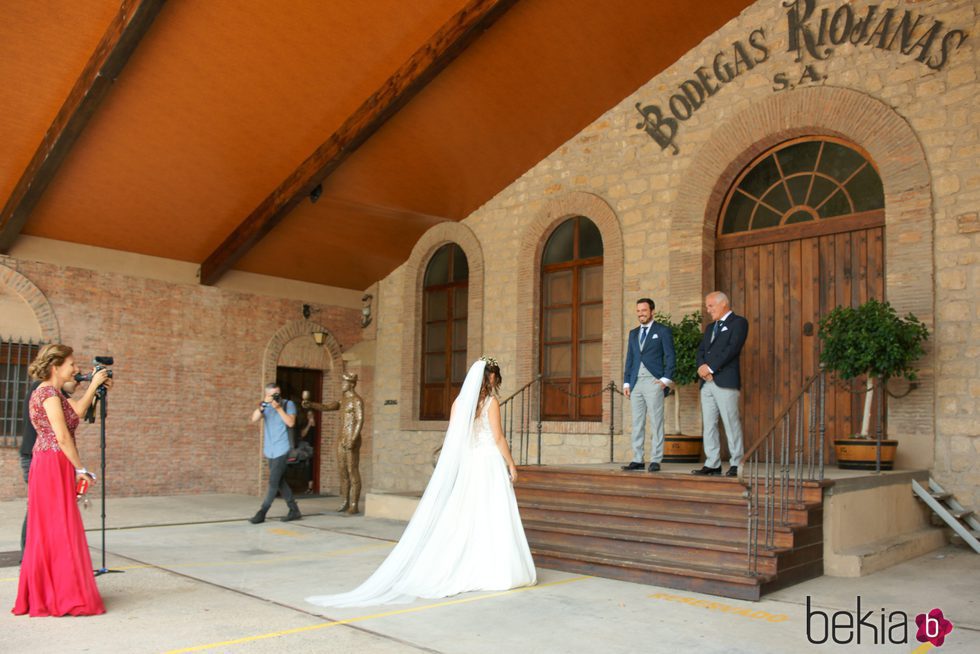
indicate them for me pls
(666, 529)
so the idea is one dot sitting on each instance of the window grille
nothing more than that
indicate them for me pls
(15, 357)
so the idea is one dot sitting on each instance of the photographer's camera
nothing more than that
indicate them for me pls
(99, 363)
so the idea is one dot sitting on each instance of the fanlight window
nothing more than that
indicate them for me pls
(805, 180)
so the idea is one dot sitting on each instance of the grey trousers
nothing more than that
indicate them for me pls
(647, 397)
(720, 402)
(277, 483)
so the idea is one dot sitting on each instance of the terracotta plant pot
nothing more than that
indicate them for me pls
(679, 448)
(859, 453)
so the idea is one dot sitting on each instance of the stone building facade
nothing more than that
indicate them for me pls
(896, 80)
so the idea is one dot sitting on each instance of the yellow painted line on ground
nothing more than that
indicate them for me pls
(747, 612)
(292, 533)
(922, 649)
(373, 616)
(215, 564)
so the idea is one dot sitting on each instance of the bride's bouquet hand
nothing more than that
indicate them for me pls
(513, 472)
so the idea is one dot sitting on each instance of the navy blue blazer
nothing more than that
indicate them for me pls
(657, 353)
(723, 354)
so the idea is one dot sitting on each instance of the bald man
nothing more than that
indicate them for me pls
(721, 383)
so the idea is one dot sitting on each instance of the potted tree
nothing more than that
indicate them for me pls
(680, 448)
(873, 342)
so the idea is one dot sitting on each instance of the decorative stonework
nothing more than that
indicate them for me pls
(533, 240)
(411, 318)
(901, 162)
(35, 299)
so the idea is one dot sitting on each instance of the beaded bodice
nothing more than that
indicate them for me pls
(46, 439)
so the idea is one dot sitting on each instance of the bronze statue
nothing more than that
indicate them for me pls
(349, 443)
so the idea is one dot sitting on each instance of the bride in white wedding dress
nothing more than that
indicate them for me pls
(466, 533)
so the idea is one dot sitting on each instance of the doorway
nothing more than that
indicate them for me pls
(303, 475)
(801, 232)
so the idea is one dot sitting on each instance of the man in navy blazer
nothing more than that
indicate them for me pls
(721, 383)
(649, 368)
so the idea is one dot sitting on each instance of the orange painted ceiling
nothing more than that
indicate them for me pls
(222, 100)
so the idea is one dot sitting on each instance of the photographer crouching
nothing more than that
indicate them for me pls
(278, 416)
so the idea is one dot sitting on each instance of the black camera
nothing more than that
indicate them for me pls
(101, 393)
(99, 363)
(277, 397)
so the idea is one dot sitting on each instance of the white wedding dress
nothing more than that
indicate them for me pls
(466, 533)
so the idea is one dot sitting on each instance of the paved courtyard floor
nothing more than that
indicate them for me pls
(196, 577)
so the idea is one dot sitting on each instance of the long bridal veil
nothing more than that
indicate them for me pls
(393, 581)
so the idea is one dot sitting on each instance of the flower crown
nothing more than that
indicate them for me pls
(490, 361)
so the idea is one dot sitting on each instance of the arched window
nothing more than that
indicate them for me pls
(444, 301)
(571, 321)
(802, 181)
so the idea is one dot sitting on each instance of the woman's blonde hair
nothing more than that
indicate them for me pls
(50, 356)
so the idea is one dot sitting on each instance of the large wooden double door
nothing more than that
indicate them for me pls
(784, 287)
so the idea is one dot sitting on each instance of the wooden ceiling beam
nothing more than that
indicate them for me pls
(411, 77)
(124, 33)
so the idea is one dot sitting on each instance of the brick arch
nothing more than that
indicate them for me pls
(411, 316)
(899, 157)
(326, 357)
(532, 244)
(36, 300)
(817, 111)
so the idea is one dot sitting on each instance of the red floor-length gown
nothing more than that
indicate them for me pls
(56, 575)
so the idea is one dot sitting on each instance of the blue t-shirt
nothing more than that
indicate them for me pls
(276, 441)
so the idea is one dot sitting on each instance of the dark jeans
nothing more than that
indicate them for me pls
(25, 466)
(277, 483)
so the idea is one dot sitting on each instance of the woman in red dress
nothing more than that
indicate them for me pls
(56, 576)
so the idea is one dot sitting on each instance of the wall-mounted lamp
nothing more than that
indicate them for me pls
(319, 337)
(309, 311)
(366, 310)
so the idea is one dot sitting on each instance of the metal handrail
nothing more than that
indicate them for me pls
(519, 391)
(776, 466)
(521, 416)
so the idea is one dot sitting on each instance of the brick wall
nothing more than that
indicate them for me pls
(921, 128)
(190, 365)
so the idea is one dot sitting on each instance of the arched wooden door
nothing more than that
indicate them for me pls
(801, 232)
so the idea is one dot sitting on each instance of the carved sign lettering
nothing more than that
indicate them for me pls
(810, 35)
